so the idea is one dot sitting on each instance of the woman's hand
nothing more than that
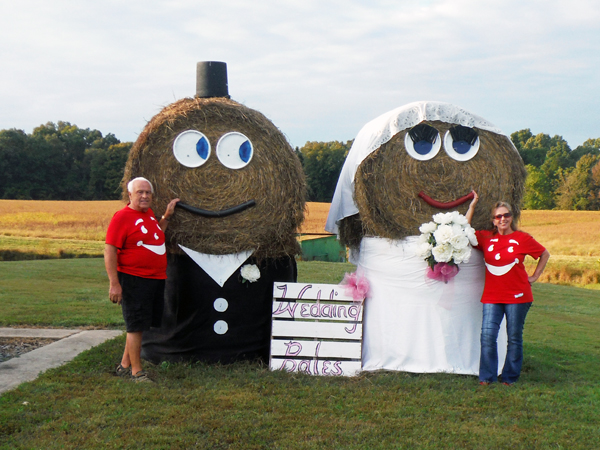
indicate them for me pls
(540, 267)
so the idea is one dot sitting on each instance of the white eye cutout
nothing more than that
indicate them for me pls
(191, 148)
(234, 150)
(460, 150)
(422, 150)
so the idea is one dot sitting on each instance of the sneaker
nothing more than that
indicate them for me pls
(141, 377)
(507, 384)
(121, 371)
(484, 383)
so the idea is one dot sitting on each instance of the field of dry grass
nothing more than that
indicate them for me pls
(58, 228)
(573, 240)
(30, 228)
(56, 219)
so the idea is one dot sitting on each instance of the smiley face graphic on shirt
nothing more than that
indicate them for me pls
(159, 249)
(502, 252)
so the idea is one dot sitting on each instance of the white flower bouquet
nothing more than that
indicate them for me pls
(444, 243)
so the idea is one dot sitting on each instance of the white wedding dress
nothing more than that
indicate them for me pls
(415, 324)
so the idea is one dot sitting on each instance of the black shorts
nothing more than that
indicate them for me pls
(143, 302)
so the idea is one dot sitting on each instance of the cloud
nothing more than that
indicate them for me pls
(319, 70)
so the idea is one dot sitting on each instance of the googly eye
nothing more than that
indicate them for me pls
(234, 150)
(191, 148)
(422, 142)
(461, 143)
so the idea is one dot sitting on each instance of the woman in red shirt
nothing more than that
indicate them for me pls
(507, 291)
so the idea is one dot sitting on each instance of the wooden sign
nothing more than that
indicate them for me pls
(317, 329)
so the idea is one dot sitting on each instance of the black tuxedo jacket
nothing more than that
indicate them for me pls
(195, 325)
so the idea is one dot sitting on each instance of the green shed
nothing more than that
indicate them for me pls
(322, 248)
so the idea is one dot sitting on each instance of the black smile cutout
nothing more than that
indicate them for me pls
(223, 213)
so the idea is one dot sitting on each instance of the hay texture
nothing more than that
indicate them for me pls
(388, 181)
(273, 179)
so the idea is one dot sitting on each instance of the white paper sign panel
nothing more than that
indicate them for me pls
(318, 367)
(332, 292)
(295, 348)
(317, 311)
(317, 330)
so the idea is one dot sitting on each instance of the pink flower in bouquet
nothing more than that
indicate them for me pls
(355, 285)
(442, 271)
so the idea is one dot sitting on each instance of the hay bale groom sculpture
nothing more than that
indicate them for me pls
(242, 194)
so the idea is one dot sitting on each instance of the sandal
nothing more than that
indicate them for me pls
(121, 371)
(141, 377)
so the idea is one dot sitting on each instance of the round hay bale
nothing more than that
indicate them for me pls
(273, 179)
(389, 180)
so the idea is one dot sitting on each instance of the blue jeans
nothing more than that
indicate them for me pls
(515, 320)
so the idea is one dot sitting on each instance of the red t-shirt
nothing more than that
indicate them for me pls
(140, 243)
(506, 280)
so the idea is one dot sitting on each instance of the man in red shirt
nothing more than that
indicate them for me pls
(136, 263)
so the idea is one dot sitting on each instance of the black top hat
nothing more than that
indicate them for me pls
(211, 79)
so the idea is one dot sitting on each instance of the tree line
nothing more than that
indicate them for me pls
(63, 162)
(558, 177)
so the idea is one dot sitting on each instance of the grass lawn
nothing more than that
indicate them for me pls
(74, 292)
(15, 248)
(244, 406)
(56, 292)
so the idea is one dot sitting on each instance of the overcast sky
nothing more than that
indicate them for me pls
(318, 69)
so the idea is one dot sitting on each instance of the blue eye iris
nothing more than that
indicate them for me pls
(245, 151)
(423, 147)
(202, 147)
(461, 147)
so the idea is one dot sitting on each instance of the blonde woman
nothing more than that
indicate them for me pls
(507, 292)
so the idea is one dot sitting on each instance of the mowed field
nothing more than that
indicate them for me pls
(31, 229)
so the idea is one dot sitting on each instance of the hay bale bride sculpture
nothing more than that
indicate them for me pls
(410, 173)
(242, 192)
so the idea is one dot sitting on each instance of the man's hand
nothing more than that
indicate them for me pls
(115, 293)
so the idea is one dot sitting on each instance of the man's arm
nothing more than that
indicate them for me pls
(115, 292)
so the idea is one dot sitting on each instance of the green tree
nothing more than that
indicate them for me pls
(519, 138)
(589, 147)
(594, 197)
(15, 165)
(57, 162)
(534, 149)
(62, 148)
(557, 157)
(538, 190)
(106, 171)
(577, 189)
(322, 162)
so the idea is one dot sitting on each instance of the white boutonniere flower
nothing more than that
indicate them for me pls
(250, 272)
